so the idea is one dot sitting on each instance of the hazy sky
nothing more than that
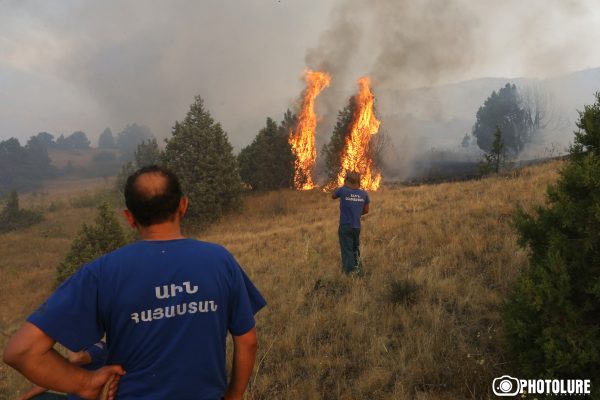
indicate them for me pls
(85, 65)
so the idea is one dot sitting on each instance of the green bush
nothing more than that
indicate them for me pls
(13, 218)
(92, 241)
(551, 317)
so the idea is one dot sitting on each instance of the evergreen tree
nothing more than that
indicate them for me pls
(505, 110)
(146, 154)
(552, 315)
(13, 218)
(332, 151)
(494, 159)
(92, 241)
(38, 163)
(202, 157)
(267, 163)
(106, 140)
(23, 167)
(46, 139)
(131, 137)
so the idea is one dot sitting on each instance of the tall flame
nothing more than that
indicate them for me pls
(302, 139)
(356, 155)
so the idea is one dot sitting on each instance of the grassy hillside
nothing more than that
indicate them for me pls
(423, 323)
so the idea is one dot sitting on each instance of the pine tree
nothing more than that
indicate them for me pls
(494, 159)
(267, 163)
(147, 153)
(504, 109)
(201, 156)
(106, 140)
(332, 151)
(552, 315)
(92, 241)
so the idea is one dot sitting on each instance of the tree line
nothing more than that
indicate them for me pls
(25, 167)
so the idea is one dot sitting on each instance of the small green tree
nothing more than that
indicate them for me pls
(13, 218)
(267, 163)
(552, 315)
(493, 161)
(202, 157)
(147, 153)
(92, 241)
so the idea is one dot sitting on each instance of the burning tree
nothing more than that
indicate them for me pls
(332, 151)
(302, 138)
(357, 153)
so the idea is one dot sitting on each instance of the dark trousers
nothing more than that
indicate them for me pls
(349, 246)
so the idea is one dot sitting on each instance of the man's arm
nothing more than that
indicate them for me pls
(365, 209)
(79, 358)
(244, 355)
(30, 351)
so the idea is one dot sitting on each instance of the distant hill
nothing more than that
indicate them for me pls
(90, 162)
(442, 115)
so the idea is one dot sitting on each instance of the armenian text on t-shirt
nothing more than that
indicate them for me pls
(171, 311)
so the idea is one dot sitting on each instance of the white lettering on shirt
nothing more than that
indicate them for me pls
(354, 197)
(172, 311)
(163, 292)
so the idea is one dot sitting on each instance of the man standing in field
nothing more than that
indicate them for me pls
(165, 304)
(354, 203)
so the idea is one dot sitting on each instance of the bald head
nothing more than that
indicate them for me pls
(152, 194)
(150, 184)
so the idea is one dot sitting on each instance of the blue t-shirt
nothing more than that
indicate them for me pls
(352, 202)
(166, 308)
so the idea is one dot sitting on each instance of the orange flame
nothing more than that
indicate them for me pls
(302, 139)
(356, 155)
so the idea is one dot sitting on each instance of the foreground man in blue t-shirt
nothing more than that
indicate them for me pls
(165, 304)
(354, 203)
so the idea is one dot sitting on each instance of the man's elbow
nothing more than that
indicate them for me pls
(13, 355)
(248, 341)
(251, 344)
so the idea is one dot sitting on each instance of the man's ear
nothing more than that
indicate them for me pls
(130, 218)
(183, 205)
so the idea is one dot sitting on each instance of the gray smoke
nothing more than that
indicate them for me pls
(408, 46)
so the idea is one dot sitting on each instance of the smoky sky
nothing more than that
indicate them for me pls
(86, 65)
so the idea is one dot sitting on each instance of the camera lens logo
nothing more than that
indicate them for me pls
(506, 386)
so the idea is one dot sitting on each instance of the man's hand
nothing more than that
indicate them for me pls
(30, 352)
(103, 383)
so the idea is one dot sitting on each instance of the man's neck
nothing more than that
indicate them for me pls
(165, 231)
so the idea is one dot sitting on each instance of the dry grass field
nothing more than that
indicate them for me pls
(423, 323)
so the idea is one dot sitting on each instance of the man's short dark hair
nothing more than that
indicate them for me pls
(353, 178)
(154, 205)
